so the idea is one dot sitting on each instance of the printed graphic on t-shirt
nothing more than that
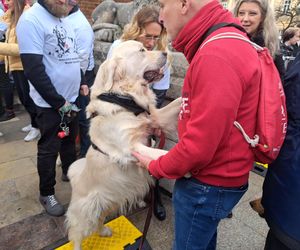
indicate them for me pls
(65, 45)
(184, 107)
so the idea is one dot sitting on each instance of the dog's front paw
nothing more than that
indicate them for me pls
(106, 232)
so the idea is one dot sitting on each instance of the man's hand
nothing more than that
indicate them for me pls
(84, 90)
(144, 161)
(66, 108)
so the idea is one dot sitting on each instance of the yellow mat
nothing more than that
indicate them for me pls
(124, 233)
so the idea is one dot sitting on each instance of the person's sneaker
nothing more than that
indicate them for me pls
(52, 205)
(58, 161)
(1, 134)
(64, 177)
(27, 128)
(33, 134)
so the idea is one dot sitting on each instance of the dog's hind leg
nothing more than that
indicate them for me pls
(103, 230)
(76, 236)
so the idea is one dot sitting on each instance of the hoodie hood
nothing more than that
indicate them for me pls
(189, 38)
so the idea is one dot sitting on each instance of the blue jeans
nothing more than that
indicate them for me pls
(198, 210)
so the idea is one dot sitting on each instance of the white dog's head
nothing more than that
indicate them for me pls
(129, 72)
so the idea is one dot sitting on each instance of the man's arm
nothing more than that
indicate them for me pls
(31, 41)
(35, 72)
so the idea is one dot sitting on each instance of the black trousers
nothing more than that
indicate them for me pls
(22, 86)
(84, 123)
(50, 145)
(276, 240)
(160, 96)
(6, 88)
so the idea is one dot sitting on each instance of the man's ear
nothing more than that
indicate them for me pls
(185, 5)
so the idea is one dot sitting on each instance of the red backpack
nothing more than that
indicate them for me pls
(271, 120)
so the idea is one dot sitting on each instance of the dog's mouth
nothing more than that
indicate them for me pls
(153, 75)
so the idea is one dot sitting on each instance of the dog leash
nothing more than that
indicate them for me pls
(148, 219)
(161, 144)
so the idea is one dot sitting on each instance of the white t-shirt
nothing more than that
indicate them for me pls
(85, 39)
(162, 84)
(41, 33)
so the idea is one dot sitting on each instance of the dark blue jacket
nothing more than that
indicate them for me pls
(281, 190)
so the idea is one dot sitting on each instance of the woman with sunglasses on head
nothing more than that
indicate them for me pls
(146, 28)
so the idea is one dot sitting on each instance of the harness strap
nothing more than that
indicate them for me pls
(94, 146)
(148, 219)
(124, 101)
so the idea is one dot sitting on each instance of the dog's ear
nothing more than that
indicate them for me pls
(109, 72)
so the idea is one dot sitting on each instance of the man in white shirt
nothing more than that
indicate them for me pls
(51, 62)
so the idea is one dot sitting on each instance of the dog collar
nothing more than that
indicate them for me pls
(124, 101)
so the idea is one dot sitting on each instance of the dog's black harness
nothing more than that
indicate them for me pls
(124, 101)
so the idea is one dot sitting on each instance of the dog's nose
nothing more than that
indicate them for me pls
(165, 54)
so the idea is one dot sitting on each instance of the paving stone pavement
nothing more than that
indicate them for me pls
(24, 225)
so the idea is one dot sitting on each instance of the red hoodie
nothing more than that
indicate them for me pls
(221, 86)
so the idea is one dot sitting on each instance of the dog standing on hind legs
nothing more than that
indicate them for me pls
(123, 114)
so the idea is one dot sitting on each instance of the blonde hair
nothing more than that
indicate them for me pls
(146, 15)
(267, 26)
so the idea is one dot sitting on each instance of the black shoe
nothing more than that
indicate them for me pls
(158, 208)
(229, 216)
(65, 178)
(8, 115)
(159, 211)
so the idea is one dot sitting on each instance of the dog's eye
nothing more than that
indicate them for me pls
(142, 50)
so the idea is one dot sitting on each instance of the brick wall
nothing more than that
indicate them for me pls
(87, 6)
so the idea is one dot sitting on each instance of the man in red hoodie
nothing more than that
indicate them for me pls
(220, 87)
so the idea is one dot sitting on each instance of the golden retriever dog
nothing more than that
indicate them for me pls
(108, 179)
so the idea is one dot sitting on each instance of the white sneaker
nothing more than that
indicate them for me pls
(58, 161)
(27, 128)
(33, 134)
(1, 134)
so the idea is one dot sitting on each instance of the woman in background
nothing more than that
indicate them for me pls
(13, 63)
(290, 39)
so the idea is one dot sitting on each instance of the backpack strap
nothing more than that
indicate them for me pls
(233, 35)
(218, 26)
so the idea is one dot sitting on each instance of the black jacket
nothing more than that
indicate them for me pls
(281, 190)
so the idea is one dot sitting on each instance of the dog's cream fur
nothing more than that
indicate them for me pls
(111, 181)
